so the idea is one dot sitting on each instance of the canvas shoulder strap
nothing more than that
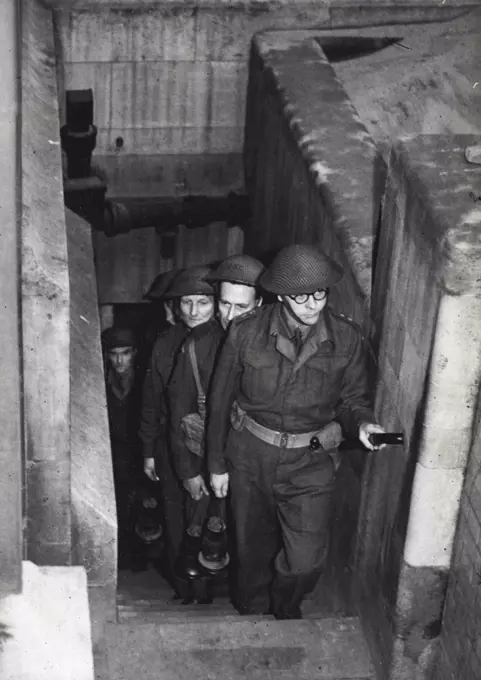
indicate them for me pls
(195, 369)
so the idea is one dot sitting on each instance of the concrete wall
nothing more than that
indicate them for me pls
(170, 79)
(312, 171)
(314, 181)
(11, 450)
(94, 521)
(460, 653)
(70, 503)
(426, 336)
(127, 264)
(45, 301)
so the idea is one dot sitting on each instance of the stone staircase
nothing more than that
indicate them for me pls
(157, 638)
(230, 649)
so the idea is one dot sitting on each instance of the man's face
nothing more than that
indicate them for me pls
(196, 309)
(307, 312)
(121, 359)
(235, 299)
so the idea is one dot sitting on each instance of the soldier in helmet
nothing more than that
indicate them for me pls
(236, 285)
(289, 376)
(158, 293)
(194, 306)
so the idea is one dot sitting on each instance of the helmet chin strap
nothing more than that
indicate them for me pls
(292, 314)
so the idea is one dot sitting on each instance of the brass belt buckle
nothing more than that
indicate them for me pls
(284, 439)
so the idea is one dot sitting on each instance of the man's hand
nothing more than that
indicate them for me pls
(196, 487)
(365, 429)
(149, 469)
(220, 484)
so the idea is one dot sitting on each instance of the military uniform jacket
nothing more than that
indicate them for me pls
(258, 366)
(182, 392)
(154, 407)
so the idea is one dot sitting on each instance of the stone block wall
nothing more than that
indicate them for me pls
(426, 335)
(11, 451)
(423, 320)
(139, 253)
(45, 301)
(460, 650)
(312, 171)
(94, 520)
(69, 496)
(169, 79)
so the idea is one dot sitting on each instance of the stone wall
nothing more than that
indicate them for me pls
(45, 301)
(426, 336)
(139, 254)
(69, 494)
(169, 79)
(11, 451)
(460, 652)
(312, 171)
(423, 319)
(94, 521)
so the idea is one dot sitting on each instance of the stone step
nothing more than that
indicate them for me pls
(326, 649)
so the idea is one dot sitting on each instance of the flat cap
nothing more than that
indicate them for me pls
(300, 268)
(242, 269)
(117, 336)
(191, 281)
(159, 286)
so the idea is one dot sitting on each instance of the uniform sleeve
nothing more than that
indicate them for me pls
(223, 391)
(182, 395)
(355, 405)
(152, 412)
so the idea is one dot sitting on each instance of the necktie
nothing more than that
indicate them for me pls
(298, 340)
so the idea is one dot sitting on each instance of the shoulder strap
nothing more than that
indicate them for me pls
(195, 369)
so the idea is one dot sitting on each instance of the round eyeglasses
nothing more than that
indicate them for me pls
(318, 295)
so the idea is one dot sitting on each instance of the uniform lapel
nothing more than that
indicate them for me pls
(309, 348)
(286, 347)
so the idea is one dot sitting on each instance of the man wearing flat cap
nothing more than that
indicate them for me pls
(290, 378)
(123, 399)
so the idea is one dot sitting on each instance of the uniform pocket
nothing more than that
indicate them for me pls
(260, 376)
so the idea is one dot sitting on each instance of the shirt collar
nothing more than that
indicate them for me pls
(280, 325)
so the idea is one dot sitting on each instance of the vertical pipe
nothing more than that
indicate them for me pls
(10, 401)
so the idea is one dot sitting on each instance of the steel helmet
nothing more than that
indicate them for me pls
(191, 281)
(242, 269)
(159, 286)
(300, 268)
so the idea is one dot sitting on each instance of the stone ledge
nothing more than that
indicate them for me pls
(341, 158)
(435, 169)
(256, 5)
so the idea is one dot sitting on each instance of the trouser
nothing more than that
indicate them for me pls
(281, 504)
(126, 476)
(172, 496)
